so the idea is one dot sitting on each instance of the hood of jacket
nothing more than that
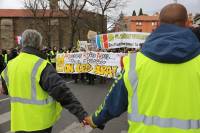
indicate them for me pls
(171, 44)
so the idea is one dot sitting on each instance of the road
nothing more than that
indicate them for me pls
(90, 96)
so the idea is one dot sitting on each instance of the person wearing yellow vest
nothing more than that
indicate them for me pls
(5, 57)
(52, 55)
(160, 88)
(36, 91)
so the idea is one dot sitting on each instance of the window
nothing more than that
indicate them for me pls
(54, 22)
(154, 23)
(139, 30)
(125, 26)
(138, 23)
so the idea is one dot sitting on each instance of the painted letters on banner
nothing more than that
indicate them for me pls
(97, 63)
(121, 39)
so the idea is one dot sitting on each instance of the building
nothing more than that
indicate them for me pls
(54, 26)
(138, 23)
(142, 23)
(197, 19)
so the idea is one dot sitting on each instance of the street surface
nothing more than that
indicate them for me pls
(91, 96)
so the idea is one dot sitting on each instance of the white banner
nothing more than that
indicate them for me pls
(121, 39)
(97, 63)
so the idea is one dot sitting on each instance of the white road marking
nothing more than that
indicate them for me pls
(77, 128)
(5, 99)
(124, 132)
(4, 117)
(70, 82)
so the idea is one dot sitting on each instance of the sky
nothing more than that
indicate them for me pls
(148, 6)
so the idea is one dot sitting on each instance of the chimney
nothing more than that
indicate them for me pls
(54, 4)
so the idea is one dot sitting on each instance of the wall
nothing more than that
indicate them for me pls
(7, 33)
(58, 28)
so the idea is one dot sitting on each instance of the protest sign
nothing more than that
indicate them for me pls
(97, 63)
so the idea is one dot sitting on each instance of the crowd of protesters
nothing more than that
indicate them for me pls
(6, 55)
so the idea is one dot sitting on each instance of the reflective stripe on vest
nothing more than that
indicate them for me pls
(33, 99)
(153, 120)
(6, 58)
(6, 76)
(52, 53)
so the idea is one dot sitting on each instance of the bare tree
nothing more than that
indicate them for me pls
(42, 15)
(105, 6)
(73, 9)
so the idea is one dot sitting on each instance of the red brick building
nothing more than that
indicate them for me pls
(138, 23)
(143, 23)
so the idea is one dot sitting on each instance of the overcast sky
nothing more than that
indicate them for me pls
(148, 6)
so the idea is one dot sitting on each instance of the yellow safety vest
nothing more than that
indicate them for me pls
(32, 108)
(53, 59)
(162, 98)
(5, 58)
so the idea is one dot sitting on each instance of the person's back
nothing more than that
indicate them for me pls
(35, 89)
(32, 93)
(167, 96)
(160, 87)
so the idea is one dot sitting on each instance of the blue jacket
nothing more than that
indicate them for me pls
(168, 44)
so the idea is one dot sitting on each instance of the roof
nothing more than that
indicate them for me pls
(143, 18)
(10, 13)
(28, 13)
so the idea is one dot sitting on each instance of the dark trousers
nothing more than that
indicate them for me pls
(48, 130)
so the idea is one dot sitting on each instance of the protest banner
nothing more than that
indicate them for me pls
(97, 63)
(121, 40)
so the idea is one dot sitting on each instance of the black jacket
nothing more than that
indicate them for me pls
(56, 87)
(13, 54)
(196, 31)
(1, 63)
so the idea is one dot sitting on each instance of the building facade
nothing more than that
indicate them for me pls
(54, 27)
(142, 23)
(197, 19)
(138, 23)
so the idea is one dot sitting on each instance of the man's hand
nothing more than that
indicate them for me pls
(89, 121)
